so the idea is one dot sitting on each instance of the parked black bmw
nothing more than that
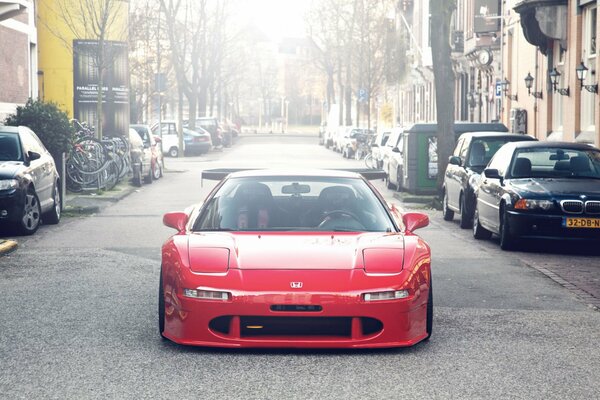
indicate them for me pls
(472, 153)
(29, 181)
(540, 190)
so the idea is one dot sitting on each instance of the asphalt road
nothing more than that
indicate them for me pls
(79, 301)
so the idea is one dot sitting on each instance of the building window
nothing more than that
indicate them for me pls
(588, 104)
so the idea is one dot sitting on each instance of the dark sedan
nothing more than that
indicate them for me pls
(29, 182)
(472, 153)
(540, 190)
(196, 142)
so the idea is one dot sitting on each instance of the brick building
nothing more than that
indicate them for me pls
(18, 54)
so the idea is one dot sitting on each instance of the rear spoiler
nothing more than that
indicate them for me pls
(218, 174)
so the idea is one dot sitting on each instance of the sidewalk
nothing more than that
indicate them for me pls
(92, 202)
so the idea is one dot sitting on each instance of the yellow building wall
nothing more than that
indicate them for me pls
(55, 44)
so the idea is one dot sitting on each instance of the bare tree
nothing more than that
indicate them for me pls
(441, 14)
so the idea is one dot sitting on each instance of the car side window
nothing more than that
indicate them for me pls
(464, 149)
(30, 143)
(501, 159)
(458, 147)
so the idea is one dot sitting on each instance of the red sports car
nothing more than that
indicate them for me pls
(295, 259)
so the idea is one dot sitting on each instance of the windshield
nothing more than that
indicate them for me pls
(555, 163)
(482, 150)
(10, 147)
(294, 204)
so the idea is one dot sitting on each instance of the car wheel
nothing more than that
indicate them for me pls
(479, 232)
(388, 183)
(156, 171)
(53, 216)
(161, 307)
(399, 179)
(429, 327)
(447, 213)
(148, 178)
(465, 218)
(173, 152)
(32, 213)
(507, 240)
(137, 178)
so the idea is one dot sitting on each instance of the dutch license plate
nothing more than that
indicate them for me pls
(581, 223)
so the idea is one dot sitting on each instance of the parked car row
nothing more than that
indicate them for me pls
(519, 188)
(346, 139)
(147, 162)
(209, 133)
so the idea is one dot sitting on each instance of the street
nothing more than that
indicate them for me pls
(79, 315)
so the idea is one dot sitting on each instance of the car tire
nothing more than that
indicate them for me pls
(388, 183)
(31, 216)
(156, 171)
(479, 232)
(137, 178)
(465, 219)
(507, 240)
(161, 307)
(148, 178)
(174, 152)
(399, 174)
(429, 323)
(53, 216)
(447, 213)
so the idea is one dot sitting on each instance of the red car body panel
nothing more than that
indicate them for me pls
(335, 271)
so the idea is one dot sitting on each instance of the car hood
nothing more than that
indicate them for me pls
(297, 250)
(9, 169)
(558, 188)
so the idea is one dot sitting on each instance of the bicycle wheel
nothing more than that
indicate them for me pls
(370, 162)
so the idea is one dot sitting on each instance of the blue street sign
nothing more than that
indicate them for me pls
(362, 95)
(498, 90)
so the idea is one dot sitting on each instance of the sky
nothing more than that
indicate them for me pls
(277, 18)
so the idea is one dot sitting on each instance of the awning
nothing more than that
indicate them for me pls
(543, 21)
(9, 9)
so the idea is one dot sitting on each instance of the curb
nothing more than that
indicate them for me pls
(6, 246)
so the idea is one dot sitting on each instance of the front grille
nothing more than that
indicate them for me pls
(572, 206)
(592, 207)
(295, 308)
(264, 326)
(296, 326)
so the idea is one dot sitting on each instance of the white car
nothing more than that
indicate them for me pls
(393, 159)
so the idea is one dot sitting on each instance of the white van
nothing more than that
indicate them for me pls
(168, 135)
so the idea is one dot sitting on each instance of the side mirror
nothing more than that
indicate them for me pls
(396, 150)
(32, 155)
(157, 139)
(492, 173)
(414, 221)
(454, 160)
(176, 220)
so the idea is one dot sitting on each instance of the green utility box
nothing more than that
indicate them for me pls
(420, 153)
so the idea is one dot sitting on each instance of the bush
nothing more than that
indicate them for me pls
(48, 122)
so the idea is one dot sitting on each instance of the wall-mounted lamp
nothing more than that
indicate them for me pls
(505, 84)
(555, 79)
(582, 71)
(471, 100)
(529, 85)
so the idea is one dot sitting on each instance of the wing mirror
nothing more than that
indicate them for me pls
(492, 173)
(176, 220)
(32, 155)
(454, 160)
(413, 221)
(157, 139)
(396, 150)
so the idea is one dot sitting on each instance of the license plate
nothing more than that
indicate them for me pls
(581, 223)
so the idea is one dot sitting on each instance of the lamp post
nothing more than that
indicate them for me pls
(529, 84)
(582, 71)
(555, 79)
(505, 84)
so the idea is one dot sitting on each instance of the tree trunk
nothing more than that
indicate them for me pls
(441, 12)
(100, 66)
(180, 121)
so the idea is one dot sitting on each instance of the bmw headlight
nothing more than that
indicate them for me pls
(529, 204)
(8, 184)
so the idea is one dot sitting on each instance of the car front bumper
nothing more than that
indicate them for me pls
(11, 205)
(262, 318)
(544, 226)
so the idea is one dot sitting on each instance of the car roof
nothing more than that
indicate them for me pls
(9, 129)
(496, 135)
(553, 144)
(321, 173)
(459, 127)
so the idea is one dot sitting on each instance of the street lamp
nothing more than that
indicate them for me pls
(505, 84)
(529, 85)
(555, 79)
(581, 75)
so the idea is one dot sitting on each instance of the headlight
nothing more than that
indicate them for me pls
(387, 295)
(8, 184)
(528, 204)
(206, 294)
